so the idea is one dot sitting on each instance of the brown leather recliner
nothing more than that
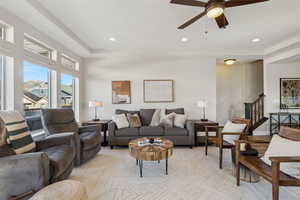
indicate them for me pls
(87, 138)
(51, 161)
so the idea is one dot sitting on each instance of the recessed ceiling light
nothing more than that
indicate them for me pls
(112, 39)
(229, 61)
(184, 39)
(256, 40)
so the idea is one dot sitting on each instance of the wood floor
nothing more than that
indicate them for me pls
(113, 175)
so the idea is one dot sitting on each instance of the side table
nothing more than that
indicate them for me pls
(104, 125)
(200, 127)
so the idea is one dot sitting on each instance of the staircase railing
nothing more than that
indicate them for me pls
(255, 111)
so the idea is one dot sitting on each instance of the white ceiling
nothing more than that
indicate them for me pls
(152, 24)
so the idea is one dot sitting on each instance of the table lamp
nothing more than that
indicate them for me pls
(95, 104)
(202, 104)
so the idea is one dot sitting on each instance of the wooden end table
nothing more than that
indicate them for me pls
(104, 125)
(200, 127)
(150, 152)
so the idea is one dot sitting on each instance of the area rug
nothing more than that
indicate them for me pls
(113, 175)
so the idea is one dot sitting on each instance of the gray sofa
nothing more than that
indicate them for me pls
(87, 138)
(180, 136)
(51, 162)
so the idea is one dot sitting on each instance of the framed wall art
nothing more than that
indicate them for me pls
(158, 91)
(121, 92)
(290, 93)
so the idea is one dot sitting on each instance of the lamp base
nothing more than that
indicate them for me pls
(204, 120)
(95, 120)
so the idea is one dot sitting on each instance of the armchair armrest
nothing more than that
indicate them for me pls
(112, 127)
(285, 159)
(231, 133)
(216, 127)
(191, 131)
(90, 128)
(21, 174)
(55, 140)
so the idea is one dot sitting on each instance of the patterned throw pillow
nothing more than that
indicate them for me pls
(17, 132)
(134, 120)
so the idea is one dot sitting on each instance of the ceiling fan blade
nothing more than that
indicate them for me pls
(192, 20)
(189, 3)
(234, 3)
(222, 21)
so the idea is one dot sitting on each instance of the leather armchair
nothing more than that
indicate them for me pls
(24, 174)
(87, 139)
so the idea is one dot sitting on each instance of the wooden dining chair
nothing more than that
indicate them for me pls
(219, 141)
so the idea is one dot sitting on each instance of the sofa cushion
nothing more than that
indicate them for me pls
(146, 116)
(119, 111)
(89, 140)
(60, 158)
(127, 132)
(151, 131)
(176, 110)
(176, 132)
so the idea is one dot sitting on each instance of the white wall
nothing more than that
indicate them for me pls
(237, 84)
(194, 78)
(273, 73)
(17, 52)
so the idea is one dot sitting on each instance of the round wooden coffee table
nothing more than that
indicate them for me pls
(141, 150)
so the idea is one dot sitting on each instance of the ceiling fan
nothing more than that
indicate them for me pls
(213, 9)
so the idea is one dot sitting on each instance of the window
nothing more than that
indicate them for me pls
(39, 48)
(2, 33)
(2, 81)
(67, 91)
(6, 32)
(69, 62)
(36, 88)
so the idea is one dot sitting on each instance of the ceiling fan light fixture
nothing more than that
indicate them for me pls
(215, 10)
(230, 61)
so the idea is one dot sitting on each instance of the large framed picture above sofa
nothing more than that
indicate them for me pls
(158, 91)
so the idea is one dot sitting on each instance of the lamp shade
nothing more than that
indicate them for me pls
(93, 104)
(202, 104)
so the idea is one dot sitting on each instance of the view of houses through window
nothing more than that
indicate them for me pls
(67, 90)
(36, 88)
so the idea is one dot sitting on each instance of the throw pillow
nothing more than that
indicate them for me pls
(167, 121)
(17, 132)
(232, 128)
(134, 120)
(121, 121)
(180, 120)
(156, 118)
(280, 146)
